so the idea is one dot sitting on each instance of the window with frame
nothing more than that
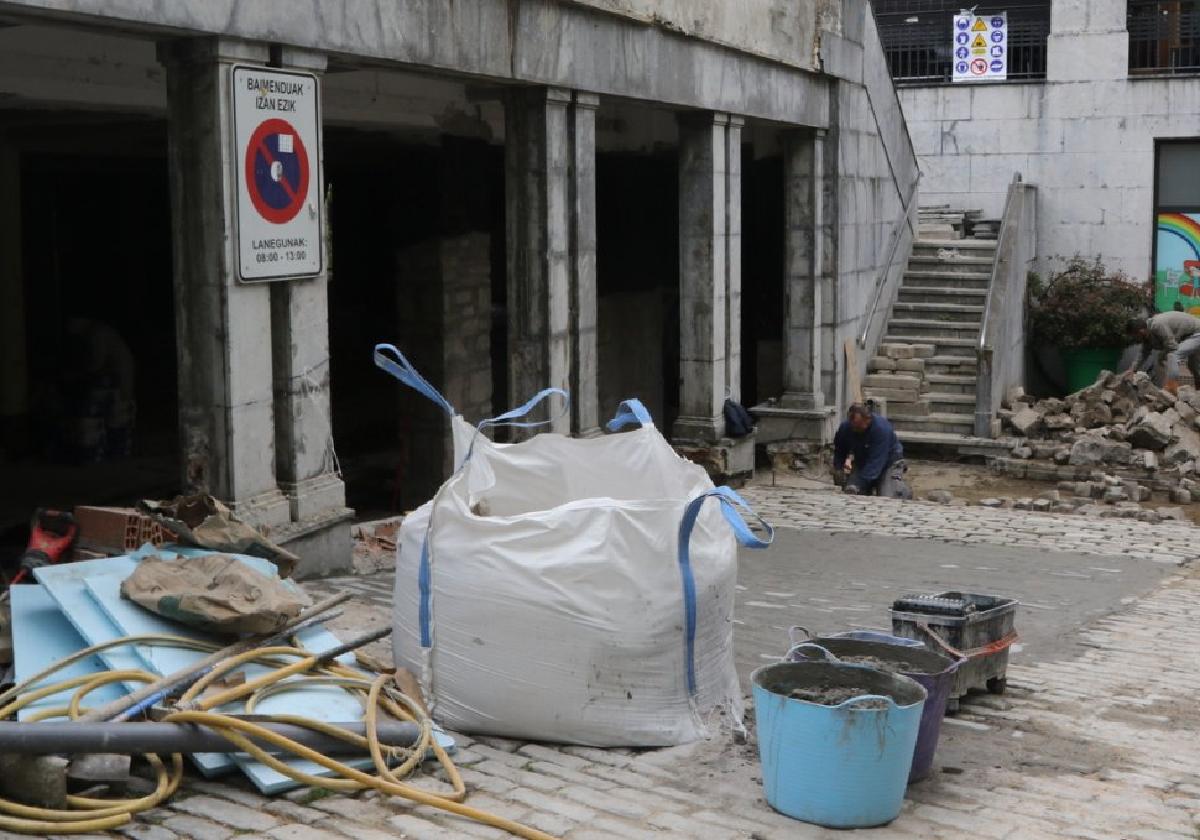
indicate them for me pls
(918, 38)
(1164, 37)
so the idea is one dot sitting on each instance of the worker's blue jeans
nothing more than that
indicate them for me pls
(890, 484)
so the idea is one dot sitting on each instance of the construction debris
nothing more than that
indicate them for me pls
(1117, 441)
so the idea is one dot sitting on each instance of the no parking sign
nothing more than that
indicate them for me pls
(277, 134)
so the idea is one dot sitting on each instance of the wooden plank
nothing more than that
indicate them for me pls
(853, 379)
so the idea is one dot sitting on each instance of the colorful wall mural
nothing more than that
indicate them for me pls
(1177, 262)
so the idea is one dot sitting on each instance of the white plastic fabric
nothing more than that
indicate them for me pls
(557, 609)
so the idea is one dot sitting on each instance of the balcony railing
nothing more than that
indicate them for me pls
(918, 38)
(1164, 37)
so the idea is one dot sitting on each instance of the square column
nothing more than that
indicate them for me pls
(809, 402)
(808, 281)
(550, 193)
(709, 272)
(226, 411)
(305, 462)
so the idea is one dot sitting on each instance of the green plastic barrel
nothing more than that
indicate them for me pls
(1084, 366)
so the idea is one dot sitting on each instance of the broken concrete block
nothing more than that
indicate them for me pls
(1181, 497)
(991, 503)
(1084, 489)
(1022, 504)
(1091, 449)
(1014, 395)
(1147, 516)
(1173, 514)
(1115, 494)
(1051, 496)
(1022, 452)
(942, 497)
(1067, 486)
(1027, 421)
(1150, 430)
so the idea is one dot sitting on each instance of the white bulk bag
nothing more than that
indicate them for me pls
(550, 591)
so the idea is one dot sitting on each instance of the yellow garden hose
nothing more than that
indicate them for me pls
(88, 814)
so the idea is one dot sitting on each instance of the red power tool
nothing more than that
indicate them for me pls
(51, 535)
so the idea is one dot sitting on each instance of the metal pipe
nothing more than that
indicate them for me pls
(53, 737)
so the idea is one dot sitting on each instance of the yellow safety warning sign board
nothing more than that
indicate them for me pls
(979, 26)
(979, 43)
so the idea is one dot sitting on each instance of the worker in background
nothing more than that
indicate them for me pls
(868, 454)
(1175, 334)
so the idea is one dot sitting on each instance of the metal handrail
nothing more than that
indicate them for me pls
(887, 266)
(1001, 241)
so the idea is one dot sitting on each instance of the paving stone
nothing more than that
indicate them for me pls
(223, 811)
(197, 828)
(301, 831)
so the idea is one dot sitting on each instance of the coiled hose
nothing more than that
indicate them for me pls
(299, 668)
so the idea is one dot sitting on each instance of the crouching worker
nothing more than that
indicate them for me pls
(867, 448)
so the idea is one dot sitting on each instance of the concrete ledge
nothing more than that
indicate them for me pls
(322, 543)
(775, 423)
(727, 458)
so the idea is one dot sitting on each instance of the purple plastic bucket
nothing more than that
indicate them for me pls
(934, 671)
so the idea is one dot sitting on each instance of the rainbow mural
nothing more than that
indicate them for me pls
(1177, 262)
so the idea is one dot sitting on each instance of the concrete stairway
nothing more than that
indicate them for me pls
(926, 365)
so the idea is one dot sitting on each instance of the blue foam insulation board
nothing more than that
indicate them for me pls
(89, 594)
(42, 636)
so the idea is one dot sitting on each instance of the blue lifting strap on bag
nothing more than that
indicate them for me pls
(730, 503)
(630, 411)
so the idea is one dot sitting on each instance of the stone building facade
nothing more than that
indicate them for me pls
(663, 200)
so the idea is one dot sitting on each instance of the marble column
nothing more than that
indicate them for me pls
(305, 460)
(226, 412)
(709, 272)
(551, 220)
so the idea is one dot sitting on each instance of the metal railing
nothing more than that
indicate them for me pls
(918, 38)
(903, 220)
(1164, 37)
(1004, 307)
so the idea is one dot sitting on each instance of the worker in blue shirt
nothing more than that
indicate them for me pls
(866, 447)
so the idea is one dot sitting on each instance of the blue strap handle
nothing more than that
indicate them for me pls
(630, 411)
(731, 502)
(424, 584)
(403, 369)
(509, 418)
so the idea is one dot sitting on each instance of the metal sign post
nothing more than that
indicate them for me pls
(277, 142)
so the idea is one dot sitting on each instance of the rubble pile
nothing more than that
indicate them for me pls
(1115, 442)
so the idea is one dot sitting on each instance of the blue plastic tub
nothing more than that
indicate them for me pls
(843, 766)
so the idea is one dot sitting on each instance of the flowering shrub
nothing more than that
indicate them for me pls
(1084, 307)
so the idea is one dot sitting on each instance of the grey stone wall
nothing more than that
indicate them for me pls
(444, 306)
(876, 172)
(542, 42)
(778, 29)
(1085, 137)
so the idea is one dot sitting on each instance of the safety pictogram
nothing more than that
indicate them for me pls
(980, 47)
(277, 171)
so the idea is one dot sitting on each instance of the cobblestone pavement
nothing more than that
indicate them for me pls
(1100, 743)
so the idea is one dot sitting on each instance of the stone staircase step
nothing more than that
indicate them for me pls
(982, 246)
(967, 265)
(961, 424)
(945, 403)
(944, 280)
(957, 347)
(943, 294)
(965, 367)
(953, 312)
(951, 384)
(913, 328)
